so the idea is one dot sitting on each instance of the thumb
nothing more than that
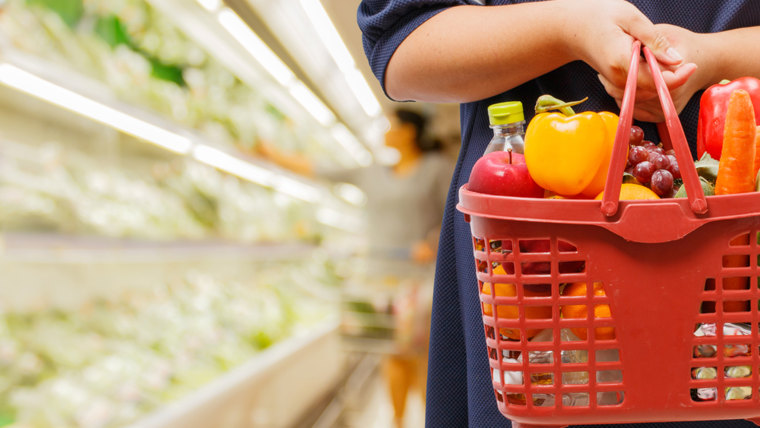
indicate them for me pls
(642, 29)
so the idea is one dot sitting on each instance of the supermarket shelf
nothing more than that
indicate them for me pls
(217, 30)
(90, 98)
(44, 248)
(274, 389)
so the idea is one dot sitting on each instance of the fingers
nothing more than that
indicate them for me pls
(643, 29)
(677, 77)
(645, 88)
(642, 94)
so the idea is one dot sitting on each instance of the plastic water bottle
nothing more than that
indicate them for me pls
(508, 124)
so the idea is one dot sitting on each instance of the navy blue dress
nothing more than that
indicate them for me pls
(459, 392)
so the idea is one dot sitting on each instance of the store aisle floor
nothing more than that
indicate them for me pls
(373, 408)
(364, 401)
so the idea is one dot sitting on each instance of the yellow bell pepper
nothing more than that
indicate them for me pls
(569, 153)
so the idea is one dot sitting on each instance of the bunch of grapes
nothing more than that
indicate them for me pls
(651, 165)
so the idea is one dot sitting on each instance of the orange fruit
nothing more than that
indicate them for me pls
(630, 191)
(511, 311)
(580, 311)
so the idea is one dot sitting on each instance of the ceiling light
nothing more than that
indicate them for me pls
(255, 46)
(311, 103)
(344, 137)
(328, 34)
(210, 5)
(338, 220)
(363, 92)
(334, 43)
(43, 89)
(233, 165)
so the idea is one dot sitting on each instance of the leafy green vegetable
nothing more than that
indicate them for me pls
(161, 70)
(707, 167)
(6, 419)
(112, 31)
(70, 11)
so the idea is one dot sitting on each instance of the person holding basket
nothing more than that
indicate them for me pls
(478, 53)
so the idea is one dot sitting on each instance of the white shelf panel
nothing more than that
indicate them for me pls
(47, 248)
(272, 390)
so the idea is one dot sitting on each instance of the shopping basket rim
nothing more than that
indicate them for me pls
(674, 212)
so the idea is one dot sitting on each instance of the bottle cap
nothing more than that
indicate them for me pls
(504, 113)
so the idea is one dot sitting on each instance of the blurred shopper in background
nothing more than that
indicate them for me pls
(404, 210)
(388, 306)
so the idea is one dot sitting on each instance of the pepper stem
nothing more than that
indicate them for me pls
(546, 103)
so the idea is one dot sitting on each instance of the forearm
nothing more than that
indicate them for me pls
(730, 54)
(468, 53)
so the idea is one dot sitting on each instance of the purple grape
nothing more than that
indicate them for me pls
(657, 149)
(636, 137)
(670, 152)
(643, 171)
(637, 154)
(648, 145)
(662, 182)
(674, 169)
(659, 161)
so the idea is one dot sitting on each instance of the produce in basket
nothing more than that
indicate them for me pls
(568, 153)
(581, 311)
(503, 173)
(736, 174)
(512, 311)
(651, 165)
(713, 107)
(730, 350)
(630, 191)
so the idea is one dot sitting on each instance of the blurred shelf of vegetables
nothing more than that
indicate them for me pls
(134, 276)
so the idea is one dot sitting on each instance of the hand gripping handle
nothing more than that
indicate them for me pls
(611, 197)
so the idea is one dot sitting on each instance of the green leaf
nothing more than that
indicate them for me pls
(629, 178)
(6, 417)
(113, 31)
(707, 167)
(70, 11)
(172, 73)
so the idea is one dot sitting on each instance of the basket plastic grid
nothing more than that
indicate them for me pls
(663, 353)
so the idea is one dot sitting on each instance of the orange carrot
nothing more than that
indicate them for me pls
(736, 174)
(737, 157)
(757, 150)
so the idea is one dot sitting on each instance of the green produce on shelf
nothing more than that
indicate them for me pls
(110, 362)
(76, 193)
(148, 61)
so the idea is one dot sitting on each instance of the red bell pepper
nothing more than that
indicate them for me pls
(712, 112)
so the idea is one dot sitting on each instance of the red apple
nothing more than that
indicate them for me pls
(503, 173)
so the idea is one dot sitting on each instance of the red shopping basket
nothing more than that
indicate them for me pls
(661, 265)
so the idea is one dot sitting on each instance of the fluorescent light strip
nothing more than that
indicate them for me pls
(297, 189)
(342, 135)
(210, 5)
(33, 85)
(255, 174)
(340, 53)
(230, 164)
(255, 46)
(363, 92)
(311, 103)
(338, 220)
(329, 35)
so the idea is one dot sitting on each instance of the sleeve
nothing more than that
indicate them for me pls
(386, 23)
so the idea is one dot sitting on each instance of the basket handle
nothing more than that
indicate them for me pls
(611, 197)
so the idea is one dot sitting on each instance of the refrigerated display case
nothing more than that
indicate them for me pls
(156, 273)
